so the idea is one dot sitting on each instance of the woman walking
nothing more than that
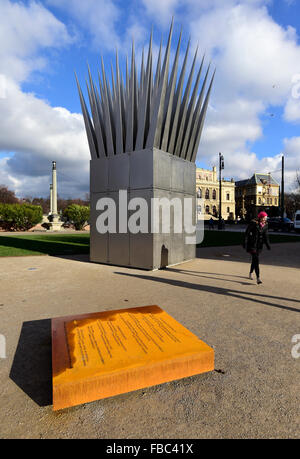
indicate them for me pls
(255, 237)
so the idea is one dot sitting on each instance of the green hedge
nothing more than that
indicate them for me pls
(77, 215)
(19, 217)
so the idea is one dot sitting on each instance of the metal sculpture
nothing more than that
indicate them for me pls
(154, 121)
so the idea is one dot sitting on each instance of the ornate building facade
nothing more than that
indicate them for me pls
(208, 195)
(260, 192)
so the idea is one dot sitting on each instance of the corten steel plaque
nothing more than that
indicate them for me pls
(103, 354)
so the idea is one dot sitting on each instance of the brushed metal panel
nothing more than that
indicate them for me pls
(141, 251)
(118, 249)
(161, 243)
(177, 238)
(98, 247)
(141, 244)
(141, 169)
(118, 243)
(161, 169)
(98, 242)
(99, 175)
(118, 172)
(162, 238)
(189, 178)
(190, 249)
(177, 174)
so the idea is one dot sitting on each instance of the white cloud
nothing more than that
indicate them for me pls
(292, 161)
(38, 134)
(96, 17)
(255, 59)
(253, 54)
(30, 128)
(292, 108)
(161, 10)
(228, 126)
(24, 32)
(5, 177)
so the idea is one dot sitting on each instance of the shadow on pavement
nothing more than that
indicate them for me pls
(200, 274)
(81, 257)
(284, 254)
(219, 290)
(32, 365)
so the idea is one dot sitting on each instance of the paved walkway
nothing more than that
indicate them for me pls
(254, 391)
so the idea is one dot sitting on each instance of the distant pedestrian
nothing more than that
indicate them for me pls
(211, 224)
(256, 236)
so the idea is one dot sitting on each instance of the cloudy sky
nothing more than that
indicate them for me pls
(254, 112)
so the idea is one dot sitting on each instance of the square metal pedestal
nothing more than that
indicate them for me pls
(148, 174)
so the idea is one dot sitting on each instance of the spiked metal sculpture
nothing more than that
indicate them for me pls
(151, 122)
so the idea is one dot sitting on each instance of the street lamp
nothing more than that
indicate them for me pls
(221, 167)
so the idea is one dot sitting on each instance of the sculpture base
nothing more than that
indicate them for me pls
(103, 354)
(154, 177)
(56, 224)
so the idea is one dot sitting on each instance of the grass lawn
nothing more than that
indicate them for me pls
(223, 238)
(44, 244)
(72, 244)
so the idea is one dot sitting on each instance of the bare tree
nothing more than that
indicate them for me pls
(298, 180)
(7, 196)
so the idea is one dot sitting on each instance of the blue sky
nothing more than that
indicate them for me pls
(254, 112)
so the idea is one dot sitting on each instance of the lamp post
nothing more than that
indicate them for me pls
(221, 167)
(282, 189)
(243, 211)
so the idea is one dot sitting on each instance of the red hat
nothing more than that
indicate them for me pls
(262, 215)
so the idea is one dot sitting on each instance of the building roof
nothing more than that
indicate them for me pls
(258, 179)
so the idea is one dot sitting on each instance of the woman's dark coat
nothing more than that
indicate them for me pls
(255, 237)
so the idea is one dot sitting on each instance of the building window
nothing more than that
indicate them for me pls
(199, 193)
(215, 211)
(259, 200)
(275, 201)
(207, 209)
(214, 194)
(228, 210)
(228, 197)
(207, 193)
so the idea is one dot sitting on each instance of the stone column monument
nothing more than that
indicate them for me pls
(54, 190)
(55, 222)
(143, 137)
(51, 199)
